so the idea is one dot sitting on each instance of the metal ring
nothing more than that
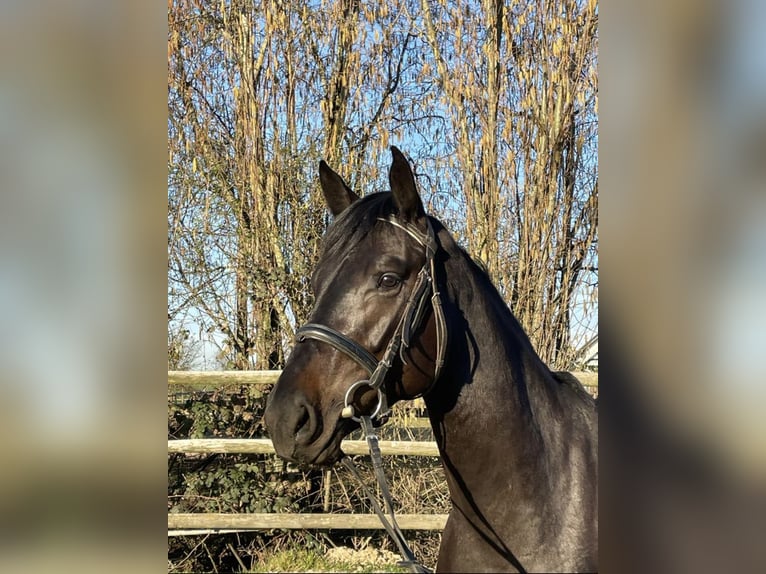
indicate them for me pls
(347, 403)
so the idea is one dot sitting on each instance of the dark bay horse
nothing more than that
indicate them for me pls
(402, 311)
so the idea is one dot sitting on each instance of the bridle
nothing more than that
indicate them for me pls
(414, 310)
(425, 288)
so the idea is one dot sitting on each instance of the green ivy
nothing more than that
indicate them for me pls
(246, 483)
(229, 483)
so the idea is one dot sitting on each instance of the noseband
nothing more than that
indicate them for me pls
(425, 285)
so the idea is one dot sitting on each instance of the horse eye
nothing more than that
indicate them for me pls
(389, 281)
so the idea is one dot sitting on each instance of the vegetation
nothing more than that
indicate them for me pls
(495, 103)
(265, 483)
(299, 560)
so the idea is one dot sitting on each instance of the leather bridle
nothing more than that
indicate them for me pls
(425, 288)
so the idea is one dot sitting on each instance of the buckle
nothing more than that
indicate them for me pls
(349, 412)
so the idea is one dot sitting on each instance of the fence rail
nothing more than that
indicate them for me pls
(193, 522)
(205, 523)
(219, 378)
(264, 446)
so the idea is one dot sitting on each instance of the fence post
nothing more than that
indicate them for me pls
(326, 497)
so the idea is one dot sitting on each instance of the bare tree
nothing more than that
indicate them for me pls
(519, 87)
(495, 103)
(258, 92)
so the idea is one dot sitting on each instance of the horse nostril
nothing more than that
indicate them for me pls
(303, 420)
(305, 425)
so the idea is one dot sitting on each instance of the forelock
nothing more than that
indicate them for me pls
(354, 224)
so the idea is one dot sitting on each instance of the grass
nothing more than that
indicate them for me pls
(302, 560)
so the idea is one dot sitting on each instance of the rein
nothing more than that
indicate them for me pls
(413, 314)
(392, 527)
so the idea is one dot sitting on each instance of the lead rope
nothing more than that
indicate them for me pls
(392, 527)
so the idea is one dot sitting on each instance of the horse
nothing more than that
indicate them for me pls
(402, 311)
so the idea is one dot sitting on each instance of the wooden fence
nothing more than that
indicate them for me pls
(180, 524)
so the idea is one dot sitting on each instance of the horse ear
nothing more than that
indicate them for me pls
(403, 187)
(337, 194)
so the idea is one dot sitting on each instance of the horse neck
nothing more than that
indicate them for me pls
(488, 408)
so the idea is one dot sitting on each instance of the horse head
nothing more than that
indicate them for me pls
(373, 335)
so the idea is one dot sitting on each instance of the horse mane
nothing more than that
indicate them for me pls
(481, 281)
(515, 337)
